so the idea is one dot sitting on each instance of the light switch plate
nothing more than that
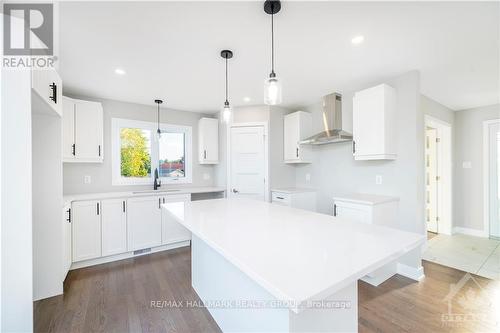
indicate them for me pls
(378, 179)
(87, 179)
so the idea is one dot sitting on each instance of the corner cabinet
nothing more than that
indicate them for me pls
(297, 127)
(208, 141)
(82, 131)
(374, 123)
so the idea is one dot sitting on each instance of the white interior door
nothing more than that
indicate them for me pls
(248, 162)
(431, 180)
(494, 180)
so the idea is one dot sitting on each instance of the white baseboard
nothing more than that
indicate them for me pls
(470, 232)
(410, 272)
(126, 255)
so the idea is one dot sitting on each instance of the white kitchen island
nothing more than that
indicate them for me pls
(267, 268)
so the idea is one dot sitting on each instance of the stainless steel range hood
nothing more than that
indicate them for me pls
(332, 123)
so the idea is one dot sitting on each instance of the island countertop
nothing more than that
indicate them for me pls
(296, 255)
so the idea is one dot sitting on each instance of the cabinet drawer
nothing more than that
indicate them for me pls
(281, 198)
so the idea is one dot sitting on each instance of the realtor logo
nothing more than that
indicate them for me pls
(28, 29)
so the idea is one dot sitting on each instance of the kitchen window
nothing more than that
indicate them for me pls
(137, 152)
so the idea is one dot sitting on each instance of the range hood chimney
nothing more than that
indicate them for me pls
(332, 123)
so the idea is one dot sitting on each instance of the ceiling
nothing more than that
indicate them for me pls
(170, 50)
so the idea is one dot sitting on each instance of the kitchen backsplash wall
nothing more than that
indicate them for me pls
(100, 173)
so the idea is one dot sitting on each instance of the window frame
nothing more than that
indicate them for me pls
(118, 123)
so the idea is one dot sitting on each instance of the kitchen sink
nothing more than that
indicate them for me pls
(155, 192)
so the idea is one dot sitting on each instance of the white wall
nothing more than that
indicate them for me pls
(334, 170)
(101, 173)
(434, 109)
(17, 273)
(468, 183)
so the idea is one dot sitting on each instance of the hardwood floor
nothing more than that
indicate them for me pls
(116, 297)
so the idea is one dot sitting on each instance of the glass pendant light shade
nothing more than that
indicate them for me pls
(272, 91)
(226, 113)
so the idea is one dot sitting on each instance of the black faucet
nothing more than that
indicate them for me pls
(157, 181)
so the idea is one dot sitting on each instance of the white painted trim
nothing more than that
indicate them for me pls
(126, 255)
(486, 172)
(445, 171)
(117, 123)
(470, 232)
(410, 272)
(265, 125)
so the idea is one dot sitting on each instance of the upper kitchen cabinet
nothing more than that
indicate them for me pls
(297, 127)
(374, 123)
(208, 141)
(47, 84)
(82, 131)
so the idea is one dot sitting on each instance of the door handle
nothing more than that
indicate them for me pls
(235, 191)
(53, 87)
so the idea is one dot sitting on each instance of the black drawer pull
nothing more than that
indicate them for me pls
(280, 198)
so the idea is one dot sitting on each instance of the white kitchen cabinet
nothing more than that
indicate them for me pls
(374, 123)
(66, 226)
(48, 85)
(172, 231)
(208, 141)
(367, 208)
(86, 230)
(297, 127)
(295, 197)
(114, 226)
(82, 131)
(144, 222)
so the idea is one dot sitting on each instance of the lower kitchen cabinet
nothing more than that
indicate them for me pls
(367, 208)
(66, 226)
(114, 226)
(86, 230)
(144, 222)
(172, 231)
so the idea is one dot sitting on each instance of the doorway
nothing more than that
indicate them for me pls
(438, 181)
(248, 161)
(491, 153)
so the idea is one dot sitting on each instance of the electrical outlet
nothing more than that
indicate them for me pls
(206, 176)
(87, 179)
(308, 177)
(378, 179)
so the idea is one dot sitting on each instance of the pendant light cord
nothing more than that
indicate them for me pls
(272, 43)
(158, 129)
(226, 82)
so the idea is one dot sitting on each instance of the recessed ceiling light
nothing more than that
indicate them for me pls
(246, 99)
(120, 71)
(358, 40)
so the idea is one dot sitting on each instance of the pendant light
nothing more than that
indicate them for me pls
(158, 130)
(227, 111)
(272, 85)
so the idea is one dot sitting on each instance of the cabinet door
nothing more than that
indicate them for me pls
(88, 131)
(209, 141)
(353, 212)
(114, 226)
(68, 128)
(143, 222)
(368, 124)
(172, 231)
(291, 137)
(66, 225)
(86, 230)
(48, 85)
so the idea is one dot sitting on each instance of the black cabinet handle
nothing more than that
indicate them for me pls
(159, 203)
(69, 215)
(123, 202)
(98, 211)
(354, 147)
(204, 154)
(53, 87)
(280, 198)
(163, 200)
(297, 152)
(99, 150)
(73, 149)
(334, 210)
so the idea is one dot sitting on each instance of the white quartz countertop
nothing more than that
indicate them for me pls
(292, 190)
(162, 191)
(365, 199)
(294, 254)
